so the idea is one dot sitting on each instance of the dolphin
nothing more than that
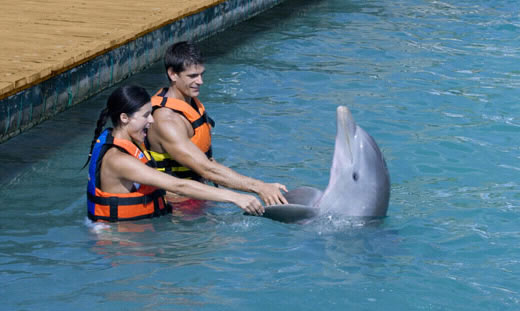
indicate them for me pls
(359, 184)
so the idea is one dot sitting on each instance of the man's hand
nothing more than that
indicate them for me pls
(271, 194)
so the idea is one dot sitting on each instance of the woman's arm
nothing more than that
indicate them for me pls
(124, 166)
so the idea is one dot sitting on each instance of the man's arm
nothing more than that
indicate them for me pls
(173, 133)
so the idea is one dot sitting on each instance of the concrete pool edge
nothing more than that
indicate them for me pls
(36, 103)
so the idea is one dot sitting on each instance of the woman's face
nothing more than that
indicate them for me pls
(139, 122)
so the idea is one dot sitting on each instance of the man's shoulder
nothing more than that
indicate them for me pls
(167, 120)
(167, 114)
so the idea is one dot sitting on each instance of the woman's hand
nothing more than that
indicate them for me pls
(249, 203)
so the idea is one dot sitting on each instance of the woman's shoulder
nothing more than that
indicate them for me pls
(115, 159)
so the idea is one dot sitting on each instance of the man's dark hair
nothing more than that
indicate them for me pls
(181, 55)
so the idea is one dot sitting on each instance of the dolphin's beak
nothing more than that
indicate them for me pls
(346, 129)
(345, 120)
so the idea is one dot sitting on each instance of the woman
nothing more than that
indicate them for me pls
(123, 185)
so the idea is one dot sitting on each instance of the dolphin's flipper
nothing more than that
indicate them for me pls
(303, 196)
(290, 213)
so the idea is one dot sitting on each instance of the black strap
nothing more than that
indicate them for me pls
(164, 90)
(203, 119)
(210, 120)
(159, 212)
(163, 101)
(199, 121)
(156, 209)
(151, 163)
(114, 203)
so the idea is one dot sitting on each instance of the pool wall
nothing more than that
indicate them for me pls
(39, 102)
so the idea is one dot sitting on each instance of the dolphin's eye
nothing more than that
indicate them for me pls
(355, 176)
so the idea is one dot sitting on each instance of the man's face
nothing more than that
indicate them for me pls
(188, 82)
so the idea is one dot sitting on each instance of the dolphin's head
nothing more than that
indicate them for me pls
(359, 182)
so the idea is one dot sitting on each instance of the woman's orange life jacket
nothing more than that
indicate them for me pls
(196, 114)
(144, 202)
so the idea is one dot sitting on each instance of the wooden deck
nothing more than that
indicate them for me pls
(57, 53)
(41, 39)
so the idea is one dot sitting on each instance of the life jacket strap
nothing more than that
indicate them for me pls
(157, 211)
(113, 202)
(203, 119)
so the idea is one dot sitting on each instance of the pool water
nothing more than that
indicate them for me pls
(436, 83)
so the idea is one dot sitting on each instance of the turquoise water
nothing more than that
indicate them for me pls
(435, 83)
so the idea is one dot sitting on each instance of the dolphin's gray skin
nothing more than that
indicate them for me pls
(359, 184)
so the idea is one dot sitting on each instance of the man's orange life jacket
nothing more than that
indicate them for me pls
(196, 114)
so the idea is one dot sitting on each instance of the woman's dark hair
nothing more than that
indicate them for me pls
(181, 55)
(126, 99)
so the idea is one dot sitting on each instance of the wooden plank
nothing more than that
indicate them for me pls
(41, 38)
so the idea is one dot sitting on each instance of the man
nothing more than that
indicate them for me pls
(180, 137)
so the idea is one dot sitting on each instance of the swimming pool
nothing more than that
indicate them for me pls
(434, 82)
